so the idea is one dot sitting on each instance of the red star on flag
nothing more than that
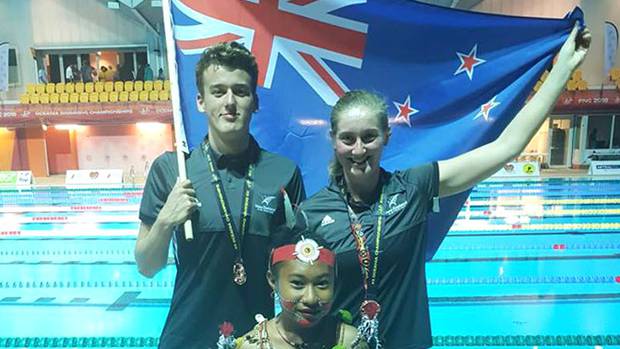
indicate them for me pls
(404, 111)
(486, 108)
(468, 62)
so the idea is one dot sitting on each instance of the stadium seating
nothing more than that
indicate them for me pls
(79, 87)
(100, 92)
(138, 86)
(148, 86)
(60, 87)
(108, 86)
(153, 96)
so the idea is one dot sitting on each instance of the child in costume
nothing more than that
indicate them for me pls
(302, 274)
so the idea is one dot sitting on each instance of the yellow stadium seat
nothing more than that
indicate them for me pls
(537, 86)
(79, 87)
(99, 86)
(113, 97)
(614, 73)
(24, 99)
(123, 96)
(164, 95)
(153, 96)
(50, 88)
(34, 99)
(93, 97)
(60, 87)
(103, 97)
(144, 96)
(83, 97)
(108, 86)
(138, 86)
(576, 75)
(64, 98)
(148, 86)
(30, 89)
(158, 85)
(118, 86)
(70, 87)
(54, 98)
(44, 98)
(40, 88)
(582, 85)
(134, 96)
(74, 97)
(571, 85)
(167, 85)
(89, 87)
(128, 86)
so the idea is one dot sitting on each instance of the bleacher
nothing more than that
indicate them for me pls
(97, 92)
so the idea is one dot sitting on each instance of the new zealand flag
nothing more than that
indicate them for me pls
(453, 79)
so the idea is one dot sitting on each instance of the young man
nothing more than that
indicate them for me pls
(234, 199)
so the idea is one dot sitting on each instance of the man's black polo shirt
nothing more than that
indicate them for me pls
(401, 281)
(204, 292)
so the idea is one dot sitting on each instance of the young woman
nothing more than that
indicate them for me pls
(302, 275)
(375, 220)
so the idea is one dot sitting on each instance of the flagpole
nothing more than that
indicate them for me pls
(175, 96)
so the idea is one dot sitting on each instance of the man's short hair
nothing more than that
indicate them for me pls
(231, 55)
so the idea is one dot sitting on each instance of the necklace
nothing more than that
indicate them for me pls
(296, 345)
(239, 272)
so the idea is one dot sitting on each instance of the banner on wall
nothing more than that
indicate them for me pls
(519, 169)
(585, 102)
(15, 178)
(19, 115)
(96, 178)
(604, 168)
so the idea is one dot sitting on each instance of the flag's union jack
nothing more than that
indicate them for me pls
(303, 32)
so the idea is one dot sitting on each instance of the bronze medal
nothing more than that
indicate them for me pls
(239, 275)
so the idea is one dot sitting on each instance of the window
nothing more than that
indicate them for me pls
(599, 132)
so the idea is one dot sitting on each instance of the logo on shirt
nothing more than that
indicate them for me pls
(395, 206)
(327, 220)
(265, 204)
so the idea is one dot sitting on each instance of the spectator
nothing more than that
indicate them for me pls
(160, 74)
(103, 75)
(117, 73)
(69, 74)
(43, 76)
(140, 73)
(148, 73)
(87, 72)
(93, 75)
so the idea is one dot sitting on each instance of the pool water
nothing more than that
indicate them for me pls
(527, 264)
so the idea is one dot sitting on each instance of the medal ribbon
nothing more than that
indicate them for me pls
(363, 253)
(236, 239)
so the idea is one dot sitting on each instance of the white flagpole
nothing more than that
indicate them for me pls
(175, 97)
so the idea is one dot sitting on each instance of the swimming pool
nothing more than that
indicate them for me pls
(527, 263)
